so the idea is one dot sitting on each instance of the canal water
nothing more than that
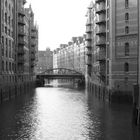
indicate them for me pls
(56, 113)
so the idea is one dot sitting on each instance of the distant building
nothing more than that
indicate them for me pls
(49, 57)
(41, 64)
(55, 59)
(71, 55)
(45, 60)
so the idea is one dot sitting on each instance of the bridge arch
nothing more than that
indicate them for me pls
(60, 71)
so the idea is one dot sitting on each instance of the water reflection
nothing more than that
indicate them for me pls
(64, 114)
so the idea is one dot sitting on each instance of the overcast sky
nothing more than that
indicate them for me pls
(59, 20)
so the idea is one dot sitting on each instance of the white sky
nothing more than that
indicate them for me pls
(59, 20)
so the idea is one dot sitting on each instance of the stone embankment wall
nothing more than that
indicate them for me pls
(12, 90)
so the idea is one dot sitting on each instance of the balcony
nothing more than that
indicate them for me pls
(33, 42)
(21, 11)
(101, 56)
(98, 1)
(21, 60)
(32, 64)
(101, 20)
(101, 74)
(89, 52)
(100, 9)
(32, 50)
(89, 61)
(102, 70)
(24, 1)
(88, 37)
(101, 42)
(88, 23)
(33, 34)
(89, 69)
(32, 57)
(21, 21)
(21, 42)
(88, 44)
(88, 29)
(21, 32)
(33, 29)
(21, 51)
(101, 31)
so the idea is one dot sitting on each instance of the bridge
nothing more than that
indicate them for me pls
(60, 73)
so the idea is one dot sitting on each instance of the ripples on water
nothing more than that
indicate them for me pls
(63, 114)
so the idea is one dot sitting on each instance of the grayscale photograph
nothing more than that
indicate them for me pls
(69, 69)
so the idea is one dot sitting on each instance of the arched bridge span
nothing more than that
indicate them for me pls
(60, 73)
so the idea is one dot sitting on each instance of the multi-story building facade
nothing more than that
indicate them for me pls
(112, 44)
(14, 48)
(41, 64)
(81, 45)
(49, 57)
(45, 60)
(55, 59)
(33, 43)
(71, 55)
(7, 46)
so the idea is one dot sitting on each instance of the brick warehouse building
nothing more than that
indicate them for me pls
(112, 43)
(16, 61)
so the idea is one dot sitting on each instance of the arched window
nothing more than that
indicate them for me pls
(5, 17)
(126, 67)
(126, 49)
(9, 20)
(9, 66)
(126, 30)
(126, 17)
(126, 3)
(6, 66)
(6, 3)
(2, 65)
(9, 8)
(12, 66)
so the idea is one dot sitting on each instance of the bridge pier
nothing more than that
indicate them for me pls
(40, 82)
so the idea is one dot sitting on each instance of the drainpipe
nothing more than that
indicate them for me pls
(138, 79)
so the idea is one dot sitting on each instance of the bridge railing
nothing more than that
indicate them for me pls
(61, 71)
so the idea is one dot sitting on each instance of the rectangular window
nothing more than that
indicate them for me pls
(126, 67)
(2, 65)
(9, 20)
(126, 49)
(126, 3)
(107, 13)
(126, 30)
(2, 40)
(5, 30)
(6, 66)
(2, 51)
(6, 18)
(6, 51)
(126, 17)
(6, 42)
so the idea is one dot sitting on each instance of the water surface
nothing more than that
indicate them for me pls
(64, 114)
